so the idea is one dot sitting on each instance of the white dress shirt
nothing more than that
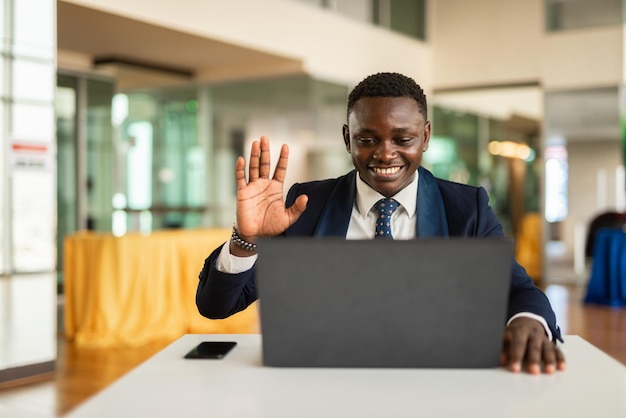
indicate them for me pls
(364, 215)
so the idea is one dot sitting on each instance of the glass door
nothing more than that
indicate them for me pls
(85, 146)
(66, 123)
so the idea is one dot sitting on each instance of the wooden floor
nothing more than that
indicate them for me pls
(81, 373)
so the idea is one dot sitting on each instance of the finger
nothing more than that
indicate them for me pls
(549, 357)
(253, 168)
(264, 168)
(240, 174)
(504, 360)
(517, 350)
(281, 165)
(534, 351)
(504, 356)
(560, 359)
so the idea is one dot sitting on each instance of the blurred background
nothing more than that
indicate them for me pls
(124, 117)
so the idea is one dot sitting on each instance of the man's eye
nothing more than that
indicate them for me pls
(405, 140)
(366, 141)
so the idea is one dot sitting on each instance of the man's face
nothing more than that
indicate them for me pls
(386, 137)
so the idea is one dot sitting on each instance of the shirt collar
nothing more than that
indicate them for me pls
(366, 197)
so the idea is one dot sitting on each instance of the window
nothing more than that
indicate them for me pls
(574, 14)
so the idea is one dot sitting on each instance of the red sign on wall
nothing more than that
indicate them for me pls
(31, 155)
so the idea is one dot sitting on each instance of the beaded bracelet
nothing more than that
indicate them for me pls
(239, 242)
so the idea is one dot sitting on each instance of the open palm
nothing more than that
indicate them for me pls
(261, 210)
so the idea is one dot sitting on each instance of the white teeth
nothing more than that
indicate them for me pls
(390, 170)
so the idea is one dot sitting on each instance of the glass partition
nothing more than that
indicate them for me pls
(575, 14)
(150, 161)
(404, 16)
(161, 165)
(455, 146)
(299, 111)
(497, 154)
(407, 17)
(67, 214)
(99, 173)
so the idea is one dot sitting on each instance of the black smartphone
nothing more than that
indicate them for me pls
(211, 349)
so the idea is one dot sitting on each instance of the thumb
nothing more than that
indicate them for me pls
(298, 207)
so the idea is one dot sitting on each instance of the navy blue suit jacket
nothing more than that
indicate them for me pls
(444, 208)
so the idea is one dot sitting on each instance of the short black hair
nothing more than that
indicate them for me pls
(388, 85)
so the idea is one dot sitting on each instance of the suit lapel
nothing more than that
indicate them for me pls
(335, 218)
(431, 212)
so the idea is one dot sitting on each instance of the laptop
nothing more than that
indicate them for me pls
(425, 303)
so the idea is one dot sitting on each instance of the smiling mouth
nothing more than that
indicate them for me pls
(386, 171)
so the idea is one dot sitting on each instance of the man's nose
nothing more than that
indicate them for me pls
(386, 150)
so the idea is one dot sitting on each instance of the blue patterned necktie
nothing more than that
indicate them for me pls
(385, 207)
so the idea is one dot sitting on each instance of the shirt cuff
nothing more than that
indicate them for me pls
(539, 318)
(228, 263)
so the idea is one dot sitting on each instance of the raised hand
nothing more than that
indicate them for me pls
(261, 210)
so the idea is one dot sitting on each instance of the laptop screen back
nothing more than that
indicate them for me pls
(434, 302)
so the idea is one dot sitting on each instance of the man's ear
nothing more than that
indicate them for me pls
(426, 136)
(346, 137)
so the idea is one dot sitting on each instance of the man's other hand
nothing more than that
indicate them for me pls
(526, 347)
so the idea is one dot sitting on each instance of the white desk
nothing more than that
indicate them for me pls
(239, 386)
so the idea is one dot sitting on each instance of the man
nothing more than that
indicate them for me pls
(386, 135)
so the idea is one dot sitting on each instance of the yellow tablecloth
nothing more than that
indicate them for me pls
(131, 290)
(529, 245)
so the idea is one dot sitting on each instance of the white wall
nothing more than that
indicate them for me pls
(583, 58)
(486, 42)
(491, 42)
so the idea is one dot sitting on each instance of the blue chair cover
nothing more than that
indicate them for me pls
(607, 285)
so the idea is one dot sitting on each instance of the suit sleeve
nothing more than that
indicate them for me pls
(220, 295)
(524, 296)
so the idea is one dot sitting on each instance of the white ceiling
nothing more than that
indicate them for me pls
(96, 35)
